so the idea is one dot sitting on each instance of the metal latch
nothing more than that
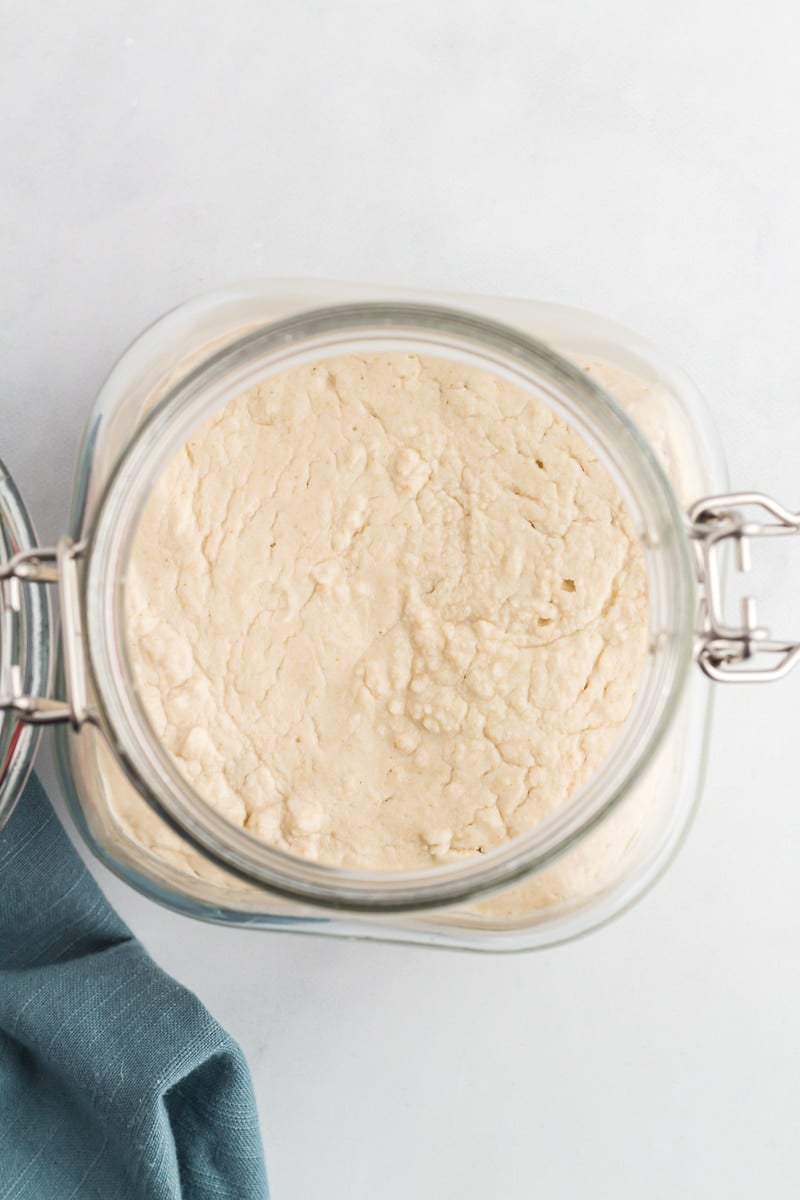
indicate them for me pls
(58, 565)
(722, 649)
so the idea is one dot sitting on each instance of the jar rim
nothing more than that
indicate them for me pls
(313, 335)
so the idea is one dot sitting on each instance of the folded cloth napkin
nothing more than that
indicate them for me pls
(115, 1082)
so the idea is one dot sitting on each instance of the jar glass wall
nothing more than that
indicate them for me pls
(597, 854)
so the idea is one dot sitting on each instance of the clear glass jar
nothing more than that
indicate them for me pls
(584, 864)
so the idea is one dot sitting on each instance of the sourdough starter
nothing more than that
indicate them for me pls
(387, 612)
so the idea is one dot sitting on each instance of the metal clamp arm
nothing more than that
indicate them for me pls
(723, 649)
(57, 565)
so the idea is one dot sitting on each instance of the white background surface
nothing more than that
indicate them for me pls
(632, 157)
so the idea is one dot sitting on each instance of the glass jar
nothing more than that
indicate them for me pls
(575, 870)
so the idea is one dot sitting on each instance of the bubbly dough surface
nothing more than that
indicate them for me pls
(386, 612)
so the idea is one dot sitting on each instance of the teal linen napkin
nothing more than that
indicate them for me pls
(115, 1082)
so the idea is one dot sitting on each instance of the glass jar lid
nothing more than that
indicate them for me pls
(24, 646)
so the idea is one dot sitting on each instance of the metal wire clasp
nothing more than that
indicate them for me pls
(58, 565)
(722, 649)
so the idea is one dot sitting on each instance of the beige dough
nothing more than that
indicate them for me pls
(386, 612)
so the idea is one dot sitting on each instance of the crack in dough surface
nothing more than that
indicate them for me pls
(387, 611)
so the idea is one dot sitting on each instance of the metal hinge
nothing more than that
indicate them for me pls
(57, 565)
(722, 649)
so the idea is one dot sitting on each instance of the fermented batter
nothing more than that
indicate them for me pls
(387, 611)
